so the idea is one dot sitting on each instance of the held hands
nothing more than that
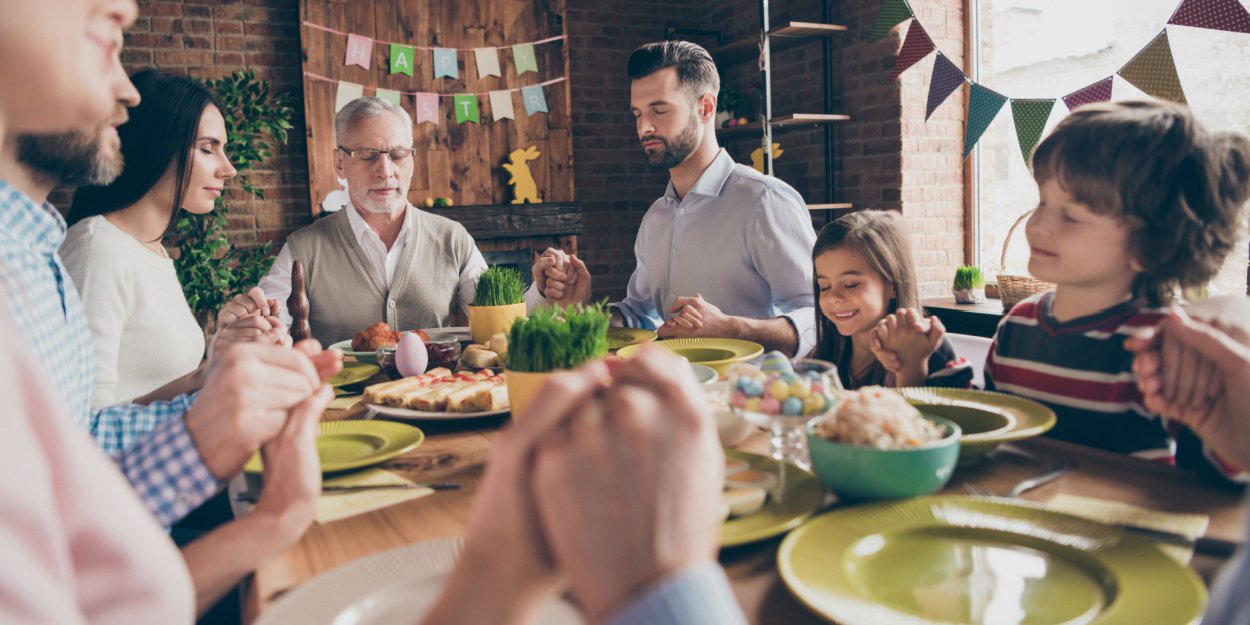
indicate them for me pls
(903, 341)
(562, 278)
(1196, 373)
(249, 318)
(696, 317)
(293, 469)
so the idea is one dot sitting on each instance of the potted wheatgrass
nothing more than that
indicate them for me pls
(498, 301)
(969, 285)
(552, 339)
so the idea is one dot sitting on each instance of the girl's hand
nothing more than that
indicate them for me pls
(904, 341)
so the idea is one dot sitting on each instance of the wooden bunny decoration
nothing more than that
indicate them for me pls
(524, 189)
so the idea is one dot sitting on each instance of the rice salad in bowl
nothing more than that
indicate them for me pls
(877, 417)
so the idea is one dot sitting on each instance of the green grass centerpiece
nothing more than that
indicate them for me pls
(552, 339)
(969, 285)
(498, 301)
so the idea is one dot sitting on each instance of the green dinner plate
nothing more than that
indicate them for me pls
(345, 445)
(715, 353)
(621, 337)
(794, 501)
(956, 560)
(981, 414)
(352, 373)
(346, 348)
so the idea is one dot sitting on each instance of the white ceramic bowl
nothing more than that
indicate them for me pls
(733, 428)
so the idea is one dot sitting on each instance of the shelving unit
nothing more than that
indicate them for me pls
(785, 35)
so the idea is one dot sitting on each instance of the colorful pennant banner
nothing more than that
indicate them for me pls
(445, 64)
(501, 105)
(487, 62)
(1154, 71)
(893, 13)
(359, 51)
(535, 101)
(427, 108)
(1226, 15)
(388, 95)
(401, 59)
(464, 105)
(1097, 92)
(1030, 118)
(917, 46)
(523, 58)
(946, 79)
(346, 93)
(983, 106)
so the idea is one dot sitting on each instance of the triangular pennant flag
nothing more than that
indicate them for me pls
(1030, 117)
(388, 95)
(427, 108)
(1213, 14)
(401, 59)
(501, 105)
(535, 100)
(915, 47)
(445, 63)
(487, 62)
(346, 93)
(523, 58)
(359, 51)
(1097, 92)
(983, 106)
(1154, 71)
(946, 79)
(893, 13)
(466, 108)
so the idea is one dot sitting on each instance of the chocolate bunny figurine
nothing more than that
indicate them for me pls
(297, 304)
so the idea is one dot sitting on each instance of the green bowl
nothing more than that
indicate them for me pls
(865, 473)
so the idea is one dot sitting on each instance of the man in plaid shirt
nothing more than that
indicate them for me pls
(175, 454)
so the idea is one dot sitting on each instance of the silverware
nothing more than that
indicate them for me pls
(1203, 544)
(251, 497)
(1049, 475)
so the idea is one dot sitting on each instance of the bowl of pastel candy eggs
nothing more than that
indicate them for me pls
(777, 388)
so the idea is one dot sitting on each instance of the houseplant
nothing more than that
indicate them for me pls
(552, 339)
(498, 301)
(969, 285)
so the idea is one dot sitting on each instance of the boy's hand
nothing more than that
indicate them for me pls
(903, 342)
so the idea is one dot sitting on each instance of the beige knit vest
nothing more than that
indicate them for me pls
(344, 295)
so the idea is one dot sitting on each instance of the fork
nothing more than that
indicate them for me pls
(1051, 474)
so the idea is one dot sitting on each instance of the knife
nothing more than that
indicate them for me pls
(1208, 545)
(251, 497)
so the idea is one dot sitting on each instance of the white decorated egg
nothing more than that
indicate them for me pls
(410, 355)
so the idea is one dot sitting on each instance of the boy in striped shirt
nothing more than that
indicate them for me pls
(1137, 201)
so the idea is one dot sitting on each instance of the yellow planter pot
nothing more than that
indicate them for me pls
(523, 387)
(486, 321)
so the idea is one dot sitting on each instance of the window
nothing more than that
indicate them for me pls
(1050, 48)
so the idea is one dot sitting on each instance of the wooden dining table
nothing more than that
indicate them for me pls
(456, 451)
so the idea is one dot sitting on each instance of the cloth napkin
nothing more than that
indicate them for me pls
(1104, 511)
(336, 506)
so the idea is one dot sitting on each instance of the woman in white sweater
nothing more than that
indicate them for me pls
(148, 344)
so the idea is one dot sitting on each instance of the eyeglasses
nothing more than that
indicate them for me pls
(399, 156)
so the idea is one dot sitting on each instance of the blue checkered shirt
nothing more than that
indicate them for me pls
(150, 443)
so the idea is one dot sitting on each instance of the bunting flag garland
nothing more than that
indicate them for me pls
(893, 13)
(983, 106)
(487, 62)
(445, 64)
(388, 95)
(1154, 71)
(917, 45)
(523, 58)
(501, 105)
(1030, 117)
(946, 79)
(345, 93)
(465, 105)
(401, 59)
(427, 108)
(1226, 15)
(1097, 92)
(359, 51)
(535, 101)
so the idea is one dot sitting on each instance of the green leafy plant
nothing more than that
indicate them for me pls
(968, 277)
(209, 266)
(499, 286)
(730, 100)
(555, 338)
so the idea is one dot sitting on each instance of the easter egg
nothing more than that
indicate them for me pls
(742, 121)
(776, 362)
(792, 406)
(799, 389)
(755, 388)
(738, 399)
(779, 390)
(813, 405)
(752, 405)
(429, 202)
(770, 405)
(410, 355)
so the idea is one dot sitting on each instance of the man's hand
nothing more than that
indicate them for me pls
(696, 317)
(247, 395)
(293, 469)
(562, 278)
(628, 489)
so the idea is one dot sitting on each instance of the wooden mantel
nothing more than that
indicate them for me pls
(515, 221)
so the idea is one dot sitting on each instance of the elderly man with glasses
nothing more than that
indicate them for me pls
(380, 258)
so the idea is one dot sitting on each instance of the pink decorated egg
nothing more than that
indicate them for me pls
(410, 355)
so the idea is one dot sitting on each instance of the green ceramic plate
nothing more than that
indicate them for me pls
(987, 418)
(352, 373)
(620, 337)
(345, 445)
(986, 561)
(346, 348)
(788, 505)
(715, 353)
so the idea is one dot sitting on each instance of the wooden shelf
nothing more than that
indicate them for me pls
(830, 207)
(785, 121)
(787, 35)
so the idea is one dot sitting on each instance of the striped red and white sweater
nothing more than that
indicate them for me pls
(1080, 369)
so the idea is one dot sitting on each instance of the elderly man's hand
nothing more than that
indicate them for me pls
(562, 278)
(247, 396)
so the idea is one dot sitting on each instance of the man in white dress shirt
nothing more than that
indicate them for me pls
(380, 258)
(726, 252)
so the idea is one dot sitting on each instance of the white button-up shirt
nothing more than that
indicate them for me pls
(741, 239)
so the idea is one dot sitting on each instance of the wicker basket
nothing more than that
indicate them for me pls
(1014, 288)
